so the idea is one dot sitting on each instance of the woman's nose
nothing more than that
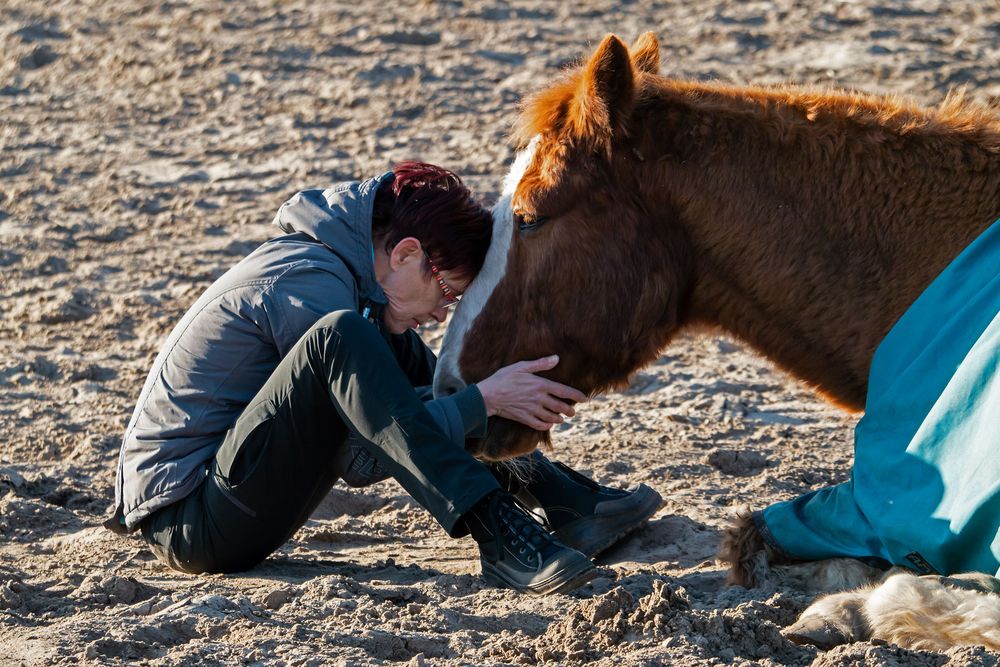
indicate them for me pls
(440, 314)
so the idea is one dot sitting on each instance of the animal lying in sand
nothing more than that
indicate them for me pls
(804, 223)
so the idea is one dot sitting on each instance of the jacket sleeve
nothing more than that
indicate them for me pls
(461, 415)
(299, 298)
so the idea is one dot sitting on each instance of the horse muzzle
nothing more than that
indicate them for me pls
(504, 439)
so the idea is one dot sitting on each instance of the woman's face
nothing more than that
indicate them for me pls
(414, 294)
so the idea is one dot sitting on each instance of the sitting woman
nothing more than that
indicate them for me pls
(300, 366)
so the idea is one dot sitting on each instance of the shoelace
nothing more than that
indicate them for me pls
(518, 521)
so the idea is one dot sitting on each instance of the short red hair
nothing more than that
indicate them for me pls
(433, 205)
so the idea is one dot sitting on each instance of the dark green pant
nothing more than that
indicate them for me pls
(278, 461)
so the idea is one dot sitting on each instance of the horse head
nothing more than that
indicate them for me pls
(576, 266)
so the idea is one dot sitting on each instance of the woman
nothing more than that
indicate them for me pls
(299, 366)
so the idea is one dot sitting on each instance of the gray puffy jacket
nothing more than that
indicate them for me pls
(230, 341)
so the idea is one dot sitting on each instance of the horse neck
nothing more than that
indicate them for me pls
(810, 242)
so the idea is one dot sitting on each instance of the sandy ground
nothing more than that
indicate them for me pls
(144, 147)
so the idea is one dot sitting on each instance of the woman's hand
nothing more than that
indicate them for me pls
(515, 392)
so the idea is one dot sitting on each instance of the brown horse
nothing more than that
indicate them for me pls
(802, 222)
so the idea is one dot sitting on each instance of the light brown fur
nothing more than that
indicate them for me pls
(919, 612)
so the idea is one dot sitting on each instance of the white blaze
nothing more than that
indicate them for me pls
(447, 378)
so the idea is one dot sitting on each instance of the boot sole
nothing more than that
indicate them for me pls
(593, 534)
(567, 579)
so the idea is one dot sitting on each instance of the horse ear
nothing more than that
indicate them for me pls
(606, 91)
(646, 54)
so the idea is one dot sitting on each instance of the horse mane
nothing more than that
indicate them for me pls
(785, 110)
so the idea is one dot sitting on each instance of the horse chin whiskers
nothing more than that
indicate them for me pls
(520, 468)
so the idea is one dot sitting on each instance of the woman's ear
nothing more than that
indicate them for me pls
(407, 250)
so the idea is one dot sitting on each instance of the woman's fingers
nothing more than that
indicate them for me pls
(558, 407)
(536, 418)
(534, 415)
(548, 416)
(550, 386)
(563, 391)
(542, 426)
(538, 365)
(517, 392)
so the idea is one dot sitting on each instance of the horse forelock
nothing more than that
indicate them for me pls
(545, 110)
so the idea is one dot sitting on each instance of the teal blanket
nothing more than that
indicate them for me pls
(925, 489)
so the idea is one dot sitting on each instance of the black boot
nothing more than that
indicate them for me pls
(580, 512)
(517, 552)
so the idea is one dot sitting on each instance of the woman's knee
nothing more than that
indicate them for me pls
(196, 535)
(344, 329)
(344, 321)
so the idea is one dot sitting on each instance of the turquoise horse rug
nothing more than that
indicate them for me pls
(925, 489)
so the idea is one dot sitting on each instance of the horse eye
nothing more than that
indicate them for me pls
(526, 222)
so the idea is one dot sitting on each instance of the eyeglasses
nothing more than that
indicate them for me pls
(450, 298)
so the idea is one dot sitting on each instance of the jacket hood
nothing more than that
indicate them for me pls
(340, 217)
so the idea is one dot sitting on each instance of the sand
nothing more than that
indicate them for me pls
(144, 147)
